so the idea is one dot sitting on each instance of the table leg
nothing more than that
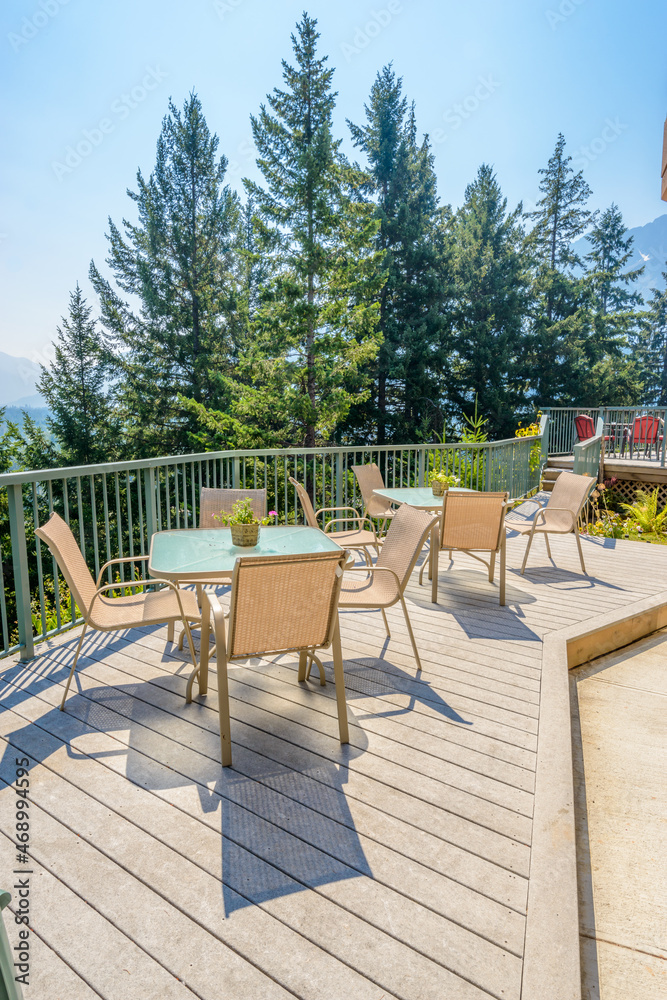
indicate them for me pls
(203, 651)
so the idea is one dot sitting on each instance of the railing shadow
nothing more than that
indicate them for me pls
(284, 823)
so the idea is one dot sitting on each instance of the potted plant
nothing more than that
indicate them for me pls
(440, 482)
(243, 523)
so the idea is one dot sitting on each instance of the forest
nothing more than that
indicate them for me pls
(338, 301)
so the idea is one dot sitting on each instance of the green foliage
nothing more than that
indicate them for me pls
(242, 513)
(644, 512)
(650, 343)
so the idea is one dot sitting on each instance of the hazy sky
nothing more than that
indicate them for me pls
(492, 81)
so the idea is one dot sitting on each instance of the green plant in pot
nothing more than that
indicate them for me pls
(243, 523)
(440, 482)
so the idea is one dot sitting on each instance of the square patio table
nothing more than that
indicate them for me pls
(418, 496)
(207, 555)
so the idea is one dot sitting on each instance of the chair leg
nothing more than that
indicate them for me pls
(435, 552)
(503, 568)
(411, 634)
(170, 631)
(71, 673)
(223, 688)
(546, 539)
(193, 654)
(386, 623)
(581, 554)
(525, 555)
(204, 645)
(492, 566)
(303, 663)
(339, 679)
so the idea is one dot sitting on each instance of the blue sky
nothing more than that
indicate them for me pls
(492, 82)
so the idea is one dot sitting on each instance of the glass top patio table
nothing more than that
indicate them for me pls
(207, 554)
(418, 496)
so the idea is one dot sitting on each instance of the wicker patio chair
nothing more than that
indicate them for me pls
(359, 538)
(559, 516)
(111, 614)
(471, 523)
(383, 585)
(279, 604)
(213, 501)
(370, 478)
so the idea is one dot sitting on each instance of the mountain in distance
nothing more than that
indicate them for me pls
(18, 382)
(649, 248)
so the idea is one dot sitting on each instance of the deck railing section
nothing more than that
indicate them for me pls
(631, 432)
(114, 509)
(587, 454)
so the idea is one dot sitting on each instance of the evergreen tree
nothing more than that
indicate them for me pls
(76, 388)
(651, 347)
(562, 350)
(614, 376)
(491, 273)
(315, 329)
(177, 261)
(408, 373)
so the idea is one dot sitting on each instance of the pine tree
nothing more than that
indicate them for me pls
(408, 373)
(491, 273)
(561, 343)
(651, 347)
(178, 261)
(315, 329)
(76, 388)
(614, 376)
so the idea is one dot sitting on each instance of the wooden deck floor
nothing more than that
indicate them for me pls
(396, 867)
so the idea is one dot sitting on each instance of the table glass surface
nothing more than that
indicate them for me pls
(188, 553)
(417, 496)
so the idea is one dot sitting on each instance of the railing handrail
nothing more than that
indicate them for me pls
(130, 465)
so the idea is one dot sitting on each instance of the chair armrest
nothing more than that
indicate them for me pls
(113, 562)
(131, 584)
(361, 521)
(374, 569)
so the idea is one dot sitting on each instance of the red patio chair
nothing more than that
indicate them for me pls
(585, 427)
(646, 432)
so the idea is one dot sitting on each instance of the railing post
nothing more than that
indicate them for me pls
(236, 473)
(151, 504)
(487, 467)
(664, 439)
(338, 472)
(21, 575)
(422, 459)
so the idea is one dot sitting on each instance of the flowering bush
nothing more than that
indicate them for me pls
(242, 513)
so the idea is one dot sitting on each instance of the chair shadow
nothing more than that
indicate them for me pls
(378, 677)
(285, 824)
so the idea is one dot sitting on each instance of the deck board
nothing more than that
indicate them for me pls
(396, 867)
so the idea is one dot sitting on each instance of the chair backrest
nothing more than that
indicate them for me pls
(370, 478)
(645, 430)
(473, 521)
(213, 501)
(280, 603)
(585, 427)
(306, 503)
(405, 539)
(571, 492)
(62, 543)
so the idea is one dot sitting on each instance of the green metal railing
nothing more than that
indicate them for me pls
(587, 454)
(114, 509)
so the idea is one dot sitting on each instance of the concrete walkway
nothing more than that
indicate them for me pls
(620, 761)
